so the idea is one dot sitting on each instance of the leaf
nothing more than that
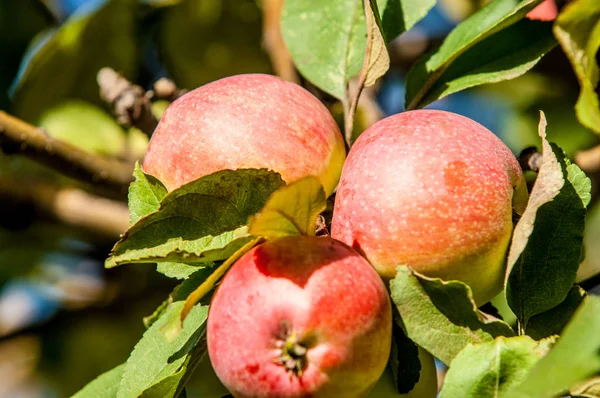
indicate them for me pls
(179, 270)
(404, 360)
(180, 293)
(492, 368)
(103, 386)
(145, 194)
(577, 29)
(200, 222)
(291, 210)
(173, 385)
(85, 126)
(64, 65)
(424, 76)
(154, 358)
(573, 359)
(441, 316)
(505, 55)
(376, 62)
(554, 320)
(546, 246)
(327, 39)
(377, 58)
(212, 280)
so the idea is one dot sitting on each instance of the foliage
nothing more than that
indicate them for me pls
(196, 232)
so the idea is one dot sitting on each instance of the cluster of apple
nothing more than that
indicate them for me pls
(311, 316)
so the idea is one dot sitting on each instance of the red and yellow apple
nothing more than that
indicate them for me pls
(433, 190)
(246, 121)
(300, 317)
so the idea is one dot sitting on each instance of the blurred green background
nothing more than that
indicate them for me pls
(63, 318)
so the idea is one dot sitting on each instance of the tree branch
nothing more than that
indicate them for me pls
(273, 42)
(70, 206)
(109, 177)
(129, 102)
(165, 89)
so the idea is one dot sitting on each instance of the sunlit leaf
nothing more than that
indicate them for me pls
(441, 316)
(577, 28)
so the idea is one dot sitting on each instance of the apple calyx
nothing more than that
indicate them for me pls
(292, 352)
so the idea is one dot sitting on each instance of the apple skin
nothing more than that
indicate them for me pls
(312, 290)
(246, 121)
(546, 11)
(433, 190)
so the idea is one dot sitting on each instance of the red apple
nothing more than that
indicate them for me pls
(547, 11)
(300, 317)
(433, 190)
(246, 121)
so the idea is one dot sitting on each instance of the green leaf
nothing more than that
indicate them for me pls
(554, 320)
(85, 126)
(98, 34)
(204, 220)
(179, 270)
(464, 61)
(180, 293)
(399, 16)
(145, 194)
(154, 358)
(546, 246)
(291, 210)
(577, 29)
(327, 39)
(104, 386)
(574, 358)
(505, 55)
(492, 368)
(441, 316)
(173, 385)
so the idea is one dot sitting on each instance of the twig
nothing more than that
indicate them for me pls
(165, 89)
(109, 177)
(129, 102)
(71, 206)
(274, 43)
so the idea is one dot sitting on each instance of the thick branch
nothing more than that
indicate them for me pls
(70, 206)
(109, 177)
(129, 102)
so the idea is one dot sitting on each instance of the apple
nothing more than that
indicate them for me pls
(300, 317)
(546, 11)
(246, 121)
(433, 190)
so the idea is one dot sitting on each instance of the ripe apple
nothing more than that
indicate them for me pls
(547, 11)
(246, 121)
(300, 317)
(433, 190)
